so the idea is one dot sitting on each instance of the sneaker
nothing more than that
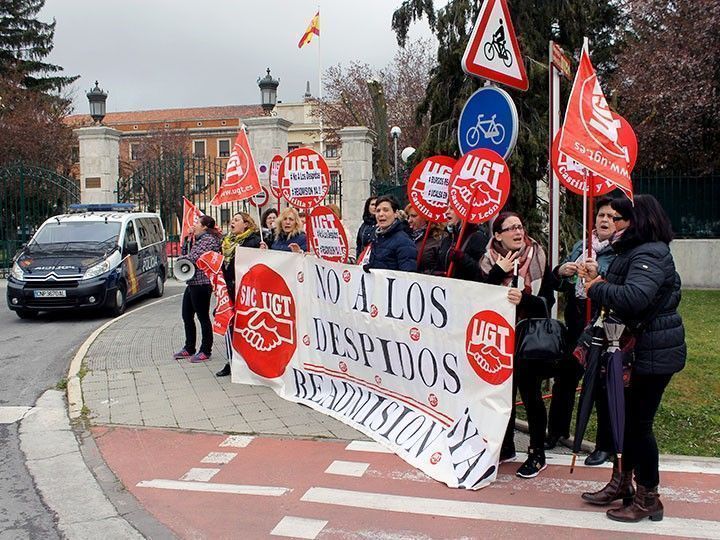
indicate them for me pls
(182, 353)
(534, 465)
(507, 455)
(199, 357)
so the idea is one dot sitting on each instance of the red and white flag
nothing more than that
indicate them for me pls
(191, 215)
(210, 262)
(241, 178)
(592, 134)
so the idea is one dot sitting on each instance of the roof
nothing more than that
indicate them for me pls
(92, 217)
(171, 115)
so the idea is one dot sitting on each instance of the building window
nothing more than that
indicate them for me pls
(223, 147)
(75, 154)
(134, 151)
(292, 147)
(331, 151)
(199, 149)
(199, 182)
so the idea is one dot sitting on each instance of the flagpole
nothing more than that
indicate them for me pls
(320, 93)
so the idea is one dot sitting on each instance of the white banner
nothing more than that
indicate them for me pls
(421, 364)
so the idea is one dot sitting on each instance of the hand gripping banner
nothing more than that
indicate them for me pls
(401, 357)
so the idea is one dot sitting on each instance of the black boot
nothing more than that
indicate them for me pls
(619, 487)
(598, 457)
(224, 372)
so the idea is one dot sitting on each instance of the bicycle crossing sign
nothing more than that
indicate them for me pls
(489, 120)
(492, 52)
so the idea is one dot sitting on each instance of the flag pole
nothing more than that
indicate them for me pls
(320, 93)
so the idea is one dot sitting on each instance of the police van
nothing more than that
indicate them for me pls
(95, 256)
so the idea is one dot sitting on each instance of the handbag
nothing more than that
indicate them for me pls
(540, 344)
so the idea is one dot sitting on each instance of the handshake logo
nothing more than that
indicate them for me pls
(489, 345)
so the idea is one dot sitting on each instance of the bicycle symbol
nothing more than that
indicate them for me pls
(497, 46)
(489, 128)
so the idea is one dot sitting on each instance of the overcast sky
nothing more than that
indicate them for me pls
(156, 54)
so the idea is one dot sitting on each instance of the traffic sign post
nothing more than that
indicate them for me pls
(493, 52)
(261, 198)
(488, 120)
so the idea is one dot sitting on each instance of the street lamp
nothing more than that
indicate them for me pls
(97, 99)
(395, 132)
(268, 92)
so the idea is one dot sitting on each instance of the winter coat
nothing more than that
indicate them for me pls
(365, 235)
(393, 249)
(282, 242)
(252, 241)
(473, 248)
(429, 257)
(205, 242)
(637, 281)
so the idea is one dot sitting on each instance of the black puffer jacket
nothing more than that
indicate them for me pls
(473, 247)
(365, 235)
(392, 249)
(638, 279)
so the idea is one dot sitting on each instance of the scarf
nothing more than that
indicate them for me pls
(417, 234)
(597, 246)
(531, 264)
(231, 241)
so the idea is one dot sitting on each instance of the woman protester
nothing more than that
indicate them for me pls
(472, 248)
(418, 228)
(196, 299)
(565, 279)
(366, 232)
(642, 289)
(267, 220)
(533, 295)
(392, 248)
(288, 233)
(243, 233)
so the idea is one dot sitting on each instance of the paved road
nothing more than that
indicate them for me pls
(35, 356)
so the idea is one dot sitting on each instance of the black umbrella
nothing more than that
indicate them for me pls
(615, 383)
(596, 344)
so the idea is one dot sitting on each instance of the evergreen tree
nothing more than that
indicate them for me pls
(24, 43)
(536, 22)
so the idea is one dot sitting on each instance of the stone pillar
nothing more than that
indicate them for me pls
(357, 158)
(99, 164)
(268, 136)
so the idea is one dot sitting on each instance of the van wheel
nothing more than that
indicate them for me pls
(159, 289)
(119, 303)
(26, 313)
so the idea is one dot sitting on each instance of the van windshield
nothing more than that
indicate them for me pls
(90, 234)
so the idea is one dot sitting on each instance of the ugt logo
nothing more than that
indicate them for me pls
(237, 167)
(489, 345)
(265, 322)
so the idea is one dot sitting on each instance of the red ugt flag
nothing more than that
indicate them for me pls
(191, 215)
(591, 134)
(241, 178)
(210, 262)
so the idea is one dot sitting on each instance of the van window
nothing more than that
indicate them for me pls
(129, 235)
(149, 230)
(91, 233)
(142, 232)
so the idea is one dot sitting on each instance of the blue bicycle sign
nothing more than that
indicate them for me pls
(488, 120)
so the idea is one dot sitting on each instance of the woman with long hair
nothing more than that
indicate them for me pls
(642, 289)
(366, 232)
(196, 299)
(531, 291)
(288, 233)
(243, 233)
(418, 227)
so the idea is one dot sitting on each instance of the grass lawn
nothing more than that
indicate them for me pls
(688, 421)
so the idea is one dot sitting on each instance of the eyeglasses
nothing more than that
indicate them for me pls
(512, 228)
(618, 218)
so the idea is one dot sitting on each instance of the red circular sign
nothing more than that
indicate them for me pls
(479, 185)
(275, 175)
(427, 187)
(304, 178)
(265, 322)
(327, 235)
(261, 198)
(489, 346)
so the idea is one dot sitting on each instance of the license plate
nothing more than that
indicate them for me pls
(50, 293)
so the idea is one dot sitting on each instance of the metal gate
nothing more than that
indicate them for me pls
(29, 194)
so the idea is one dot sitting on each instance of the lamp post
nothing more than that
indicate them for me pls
(97, 98)
(395, 132)
(268, 92)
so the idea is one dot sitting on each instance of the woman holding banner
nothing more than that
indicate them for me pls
(196, 299)
(642, 289)
(243, 233)
(472, 248)
(517, 261)
(392, 248)
(427, 248)
(289, 235)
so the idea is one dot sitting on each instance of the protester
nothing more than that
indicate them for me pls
(511, 248)
(642, 289)
(570, 371)
(392, 248)
(196, 299)
(288, 233)
(466, 258)
(418, 228)
(268, 220)
(366, 232)
(243, 233)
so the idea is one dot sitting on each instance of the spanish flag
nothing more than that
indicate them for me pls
(312, 29)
